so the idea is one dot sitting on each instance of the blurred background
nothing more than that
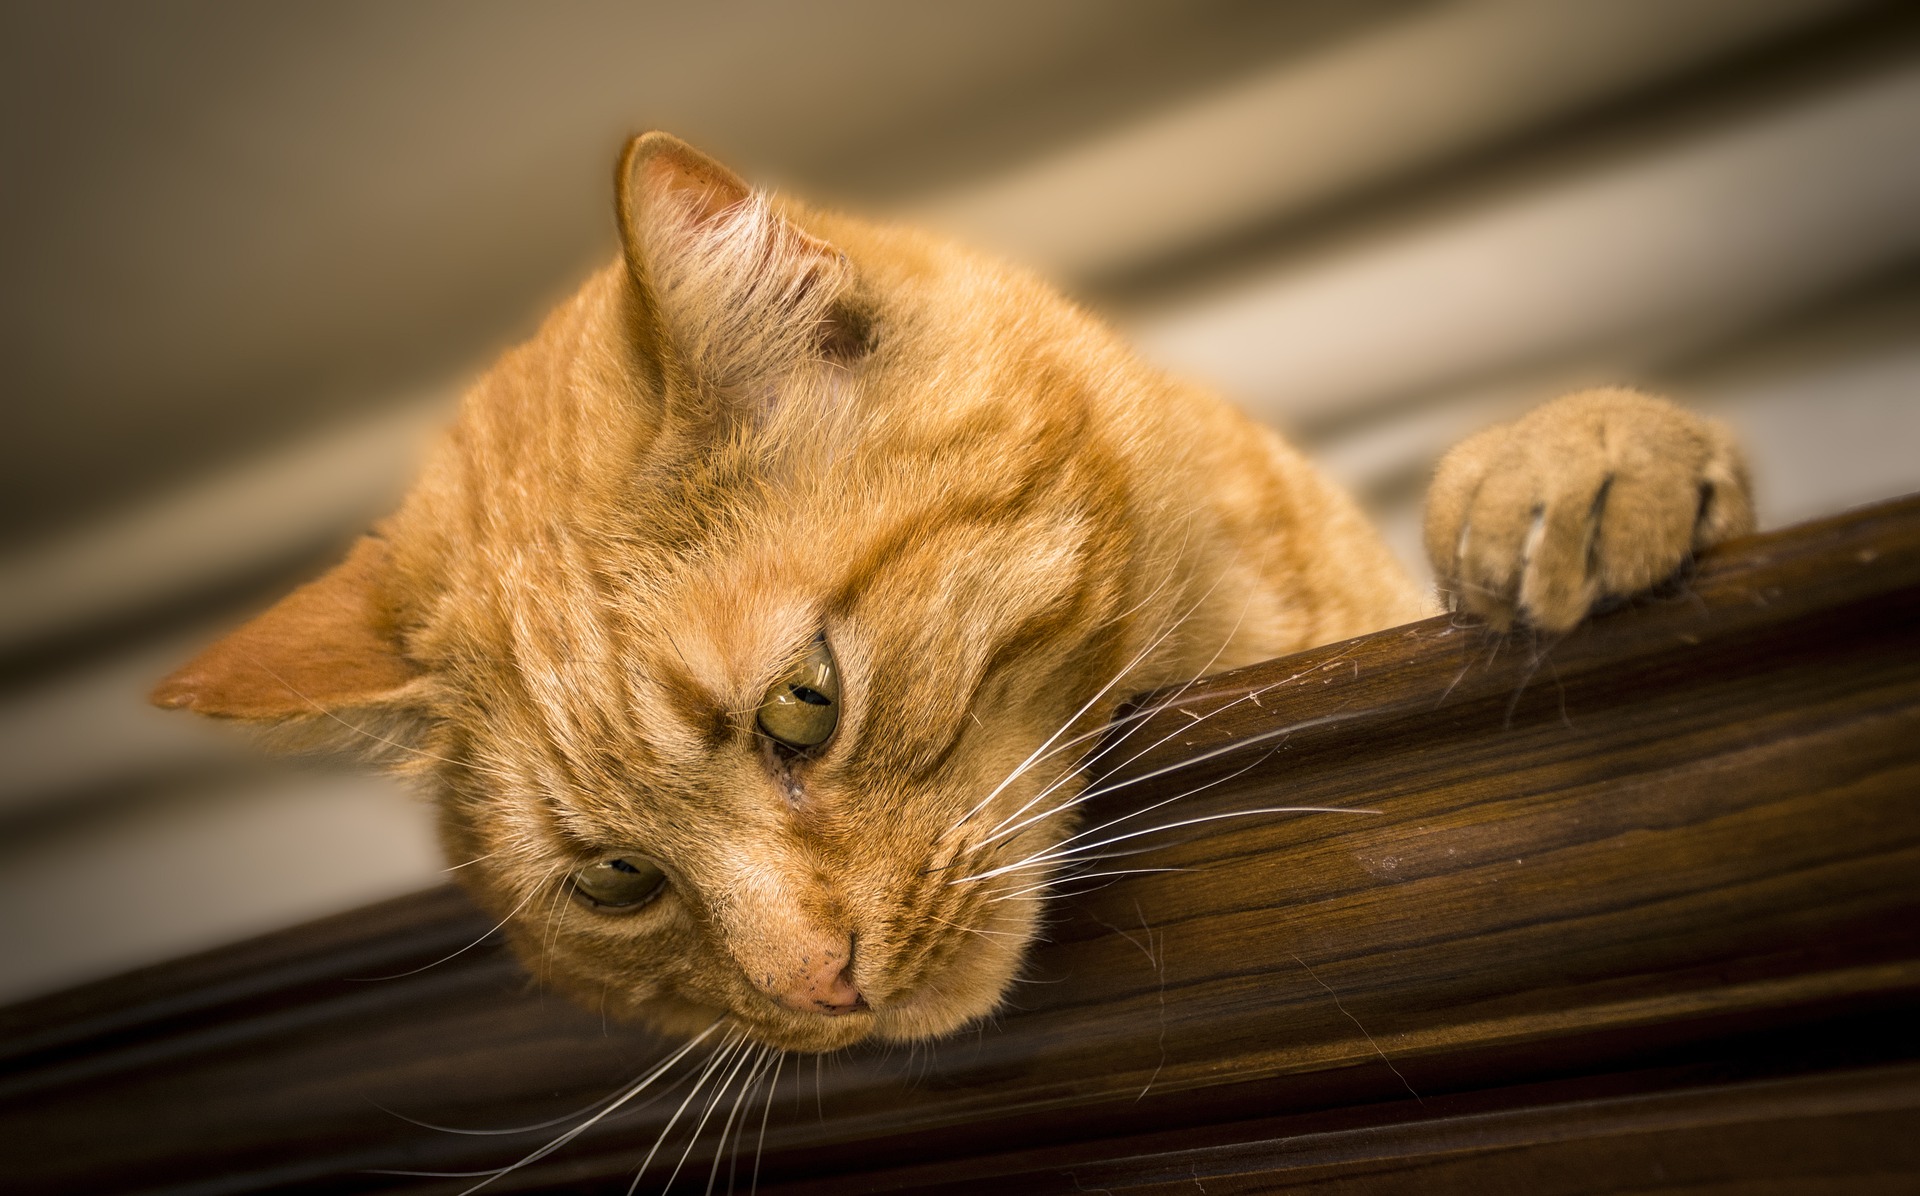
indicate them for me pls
(253, 253)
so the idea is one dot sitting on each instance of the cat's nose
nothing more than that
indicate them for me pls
(821, 981)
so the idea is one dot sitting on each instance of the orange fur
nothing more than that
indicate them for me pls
(763, 424)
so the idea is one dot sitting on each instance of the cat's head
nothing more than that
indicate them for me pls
(746, 617)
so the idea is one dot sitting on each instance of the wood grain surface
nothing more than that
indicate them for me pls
(1635, 910)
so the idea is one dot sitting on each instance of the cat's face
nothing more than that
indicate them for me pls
(634, 697)
(808, 888)
(749, 615)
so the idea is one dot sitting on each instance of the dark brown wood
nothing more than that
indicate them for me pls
(1636, 910)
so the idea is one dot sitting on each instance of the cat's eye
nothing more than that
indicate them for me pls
(803, 707)
(620, 883)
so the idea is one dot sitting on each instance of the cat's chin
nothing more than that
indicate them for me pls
(922, 1016)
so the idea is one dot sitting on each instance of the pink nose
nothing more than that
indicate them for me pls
(820, 981)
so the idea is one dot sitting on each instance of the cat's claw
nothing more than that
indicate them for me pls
(1599, 495)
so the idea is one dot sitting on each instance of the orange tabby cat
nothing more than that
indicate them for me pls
(776, 584)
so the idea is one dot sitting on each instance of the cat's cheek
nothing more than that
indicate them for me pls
(972, 986)
(621, 963)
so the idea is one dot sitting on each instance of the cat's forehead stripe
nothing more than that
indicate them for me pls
(698, 707)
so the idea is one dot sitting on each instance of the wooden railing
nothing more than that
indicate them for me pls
(1639, 908)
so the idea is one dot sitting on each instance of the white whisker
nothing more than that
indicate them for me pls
(1222, 750)
(512, 1129)
(740, 1056)
(1168, 703)
(1059, 850)
(531, 894)
(638, 1086)
(1088, 794)
(1038, 753)
(553, 918)
(1172, 826)
(1138, 717)
(1083, 876)
(1141, 655)
(1005, 934)
(1141, 714)
(780, 1061)
(714, 1063)
(1144, 810)
(475, 860)
(763, 1055)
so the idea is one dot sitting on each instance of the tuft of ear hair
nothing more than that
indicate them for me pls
(327, 647)
(733, 296)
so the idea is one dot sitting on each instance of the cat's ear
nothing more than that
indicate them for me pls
(329, 646)
(730, 292)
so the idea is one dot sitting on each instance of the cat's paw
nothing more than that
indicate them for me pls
(1598, 495)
